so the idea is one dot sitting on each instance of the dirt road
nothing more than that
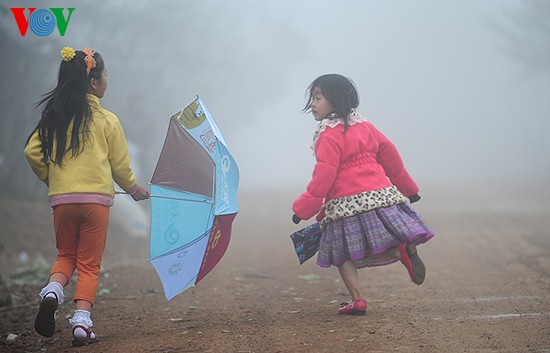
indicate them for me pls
(487, 290)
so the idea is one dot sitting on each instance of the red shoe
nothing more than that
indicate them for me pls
(354, 307)
(83, 341)
(411, 260)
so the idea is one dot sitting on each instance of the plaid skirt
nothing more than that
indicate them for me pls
(366, 237)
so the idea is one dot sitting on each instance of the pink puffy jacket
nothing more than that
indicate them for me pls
(351, 162)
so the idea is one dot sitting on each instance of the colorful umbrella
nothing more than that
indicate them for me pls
(193, 200)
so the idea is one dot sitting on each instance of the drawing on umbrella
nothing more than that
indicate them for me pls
(193, 200)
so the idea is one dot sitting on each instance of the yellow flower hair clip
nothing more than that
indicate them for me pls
(68, 53)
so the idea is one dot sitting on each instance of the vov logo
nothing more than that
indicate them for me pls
(42, 22)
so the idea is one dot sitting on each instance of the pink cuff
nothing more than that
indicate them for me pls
(133, 189)
(307, 205)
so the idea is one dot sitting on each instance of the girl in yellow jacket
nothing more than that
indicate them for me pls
(78, 149)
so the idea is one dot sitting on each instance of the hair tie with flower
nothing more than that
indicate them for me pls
(68, 54)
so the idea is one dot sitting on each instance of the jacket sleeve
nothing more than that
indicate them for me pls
(119, 159)
(327, 153)
(390, 159)
(35, 157)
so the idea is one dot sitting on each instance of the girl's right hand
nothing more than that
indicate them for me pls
(141, 194)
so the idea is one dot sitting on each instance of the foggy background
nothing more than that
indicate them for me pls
(461, 87)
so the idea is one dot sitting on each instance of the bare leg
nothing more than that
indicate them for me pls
(59, 278)
(394, 252)
(83, 305)
(391, 253)
(348, 272)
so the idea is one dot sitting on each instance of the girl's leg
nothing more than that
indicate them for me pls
(91, 245)
(349, 275)
(409, 257)
(66, 235)
(59, 278)
(83, 305)
(66, 225)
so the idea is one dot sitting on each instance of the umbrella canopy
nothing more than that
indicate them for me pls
(193, 200)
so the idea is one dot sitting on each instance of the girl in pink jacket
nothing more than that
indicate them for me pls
(360, 191)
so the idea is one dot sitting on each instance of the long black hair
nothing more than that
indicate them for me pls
(339, 90)
(65, 103)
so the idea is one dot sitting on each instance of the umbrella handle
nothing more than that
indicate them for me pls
(167, 197)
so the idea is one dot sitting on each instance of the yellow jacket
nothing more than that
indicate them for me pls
(104, 158)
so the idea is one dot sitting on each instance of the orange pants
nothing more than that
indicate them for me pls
(80, 234)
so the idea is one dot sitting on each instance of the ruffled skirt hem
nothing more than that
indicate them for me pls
(371, 238)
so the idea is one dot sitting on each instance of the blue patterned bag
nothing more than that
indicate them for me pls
(306, 241)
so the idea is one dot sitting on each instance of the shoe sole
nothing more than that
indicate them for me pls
(354, 312)
(419, 270)
(44, 323)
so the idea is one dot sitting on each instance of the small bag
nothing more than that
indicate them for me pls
(306, 241)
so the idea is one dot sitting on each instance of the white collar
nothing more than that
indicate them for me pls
(354, 118)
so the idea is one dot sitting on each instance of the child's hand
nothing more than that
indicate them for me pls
(141, 194)
(414, 198)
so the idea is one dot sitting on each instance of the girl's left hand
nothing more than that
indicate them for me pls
(141, 194)
(414, 198)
